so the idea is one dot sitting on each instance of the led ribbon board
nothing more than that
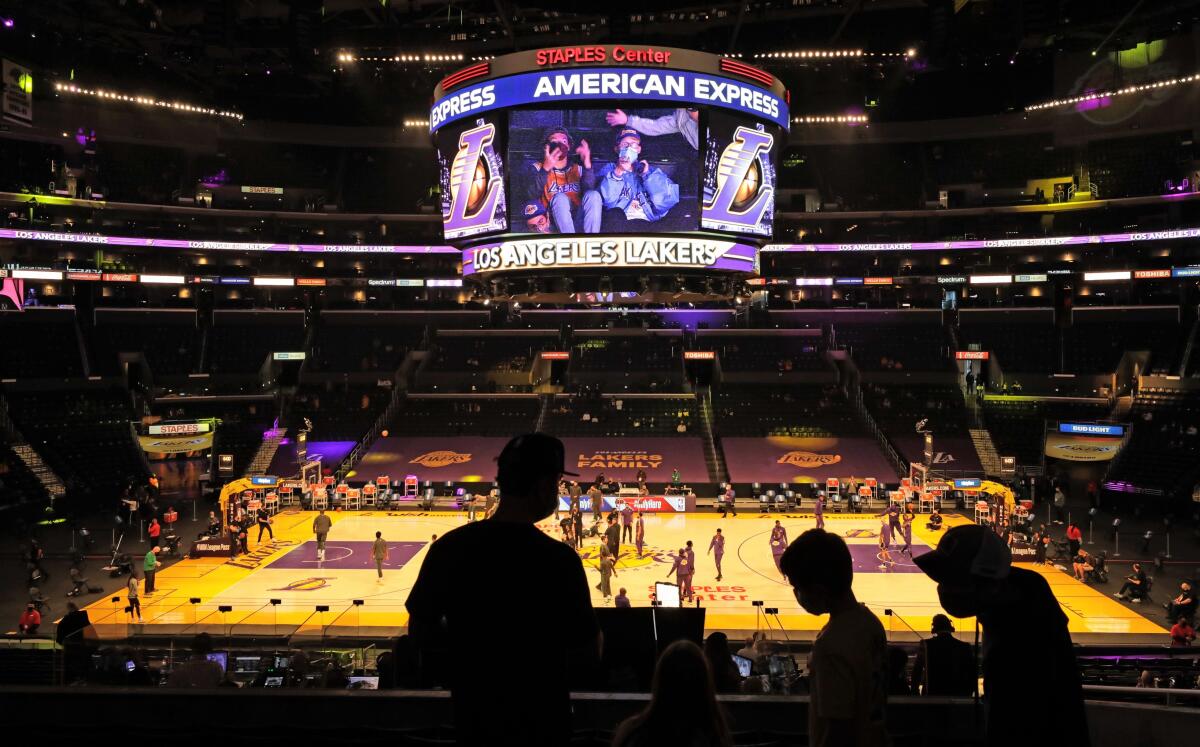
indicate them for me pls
(568, 87)
(636, 252)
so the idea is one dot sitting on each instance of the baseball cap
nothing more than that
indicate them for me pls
(532, 455)
(555, 130)
(533, 209)
(627, 132)
(967, 552)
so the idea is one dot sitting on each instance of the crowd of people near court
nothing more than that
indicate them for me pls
(851, 672)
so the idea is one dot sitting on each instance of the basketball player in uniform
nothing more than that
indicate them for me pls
(819, 510)
(683, 573)
(639, 533)
(691, 556)
(779, 543)
(716, 546)
(885, 541)
(906, 528)
(893, 514)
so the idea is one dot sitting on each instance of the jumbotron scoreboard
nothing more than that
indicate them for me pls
(621, 159)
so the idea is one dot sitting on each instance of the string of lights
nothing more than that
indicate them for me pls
(823, 54)
(348, 57)
(831, 119)
(66, 89)
(416, 123)
(1094, 95)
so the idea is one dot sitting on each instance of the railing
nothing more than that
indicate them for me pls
(1160, 695)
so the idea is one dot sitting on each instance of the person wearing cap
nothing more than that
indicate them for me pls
(945, 665)
(847, 693)
(559, 194)
(551, 613)
(1022, 624)
(631, 189)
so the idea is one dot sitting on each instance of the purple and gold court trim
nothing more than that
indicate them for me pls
(866, 559)
(347, 555)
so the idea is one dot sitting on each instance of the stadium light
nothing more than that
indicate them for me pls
(1127, 90)
(70, 89)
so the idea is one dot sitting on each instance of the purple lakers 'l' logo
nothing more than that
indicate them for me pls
(741, 198)
(474, 190)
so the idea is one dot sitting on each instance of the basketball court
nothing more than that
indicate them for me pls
(341, 595)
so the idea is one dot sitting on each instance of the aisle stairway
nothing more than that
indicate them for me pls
(986, 450)
(266, 452)
(54, 486)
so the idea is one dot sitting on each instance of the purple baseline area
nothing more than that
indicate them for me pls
(757, 459)
(332, 454)
(466, 459)
(949, 452)
(347, 556)
(866, 559)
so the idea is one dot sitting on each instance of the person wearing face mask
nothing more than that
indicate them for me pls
(633, 190)
(560, 197)
(552, 614)
(1022, 623)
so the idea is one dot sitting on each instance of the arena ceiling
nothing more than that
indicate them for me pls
(226, 49)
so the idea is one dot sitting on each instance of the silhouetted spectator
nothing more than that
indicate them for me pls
(725, 672)
(847, 693)
(945, 665)
(1022, 624)
(683, 707)
(550, 613)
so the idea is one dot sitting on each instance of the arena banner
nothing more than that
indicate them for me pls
(646, 252)
(231, 246)
(1082, 448)
(650, 504)
(568, 87)
(438, 459)
(620, 458)
(785, 459)
(949, 452)
(176, 444)
(331, 453)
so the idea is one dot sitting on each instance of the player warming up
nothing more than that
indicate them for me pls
(321, 525)
(639, 533)
(716, 546)
(779, 543)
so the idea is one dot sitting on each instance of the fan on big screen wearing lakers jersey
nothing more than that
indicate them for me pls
(1029, 671)
(511, 647)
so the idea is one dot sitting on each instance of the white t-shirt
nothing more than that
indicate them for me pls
(847, 669)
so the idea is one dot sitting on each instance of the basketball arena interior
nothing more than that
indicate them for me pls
(281, 281)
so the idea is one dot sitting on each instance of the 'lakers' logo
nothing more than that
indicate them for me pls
(627, 556)
(741, 198)
(852, 533)
(808, 460)
(312, 583)
(445, 458)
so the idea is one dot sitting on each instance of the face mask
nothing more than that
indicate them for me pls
(629, 153)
